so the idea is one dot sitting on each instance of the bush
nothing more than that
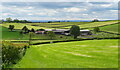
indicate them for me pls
(96, 29)
(51, 34)
(11, 53)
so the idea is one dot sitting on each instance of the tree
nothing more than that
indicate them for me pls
(96, 29)
(30, 37)
(16, 20)
(95, 20)
(9, 19)
(51, 34)
(1, 21)
(41, 29)
(32, 30)
(75, 31)
(25, 29)
(11, 27)
(24, 21)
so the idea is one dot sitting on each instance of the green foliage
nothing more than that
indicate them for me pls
(1, 21)
(96, 29)
(8, 20)
(41, 29)
(51, 34)
(11, 27)
(11, 53)
(32, 30)
(95, 20)
(75, 31)
(16, 20)
(25, 29)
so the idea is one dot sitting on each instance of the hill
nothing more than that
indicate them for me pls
(80, 54)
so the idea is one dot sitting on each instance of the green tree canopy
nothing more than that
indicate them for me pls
(51, 34)
(25, 29)
(32, 30)
(9, 19)
(95, 20)
(11, 27)
(16, 20)
(96, 29)
(75, 31)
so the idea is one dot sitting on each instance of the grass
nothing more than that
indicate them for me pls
(111, 28)
(96, 24)
(59, 25)
(101, 35)
(14, 35)
(20, 25)
(79, 54)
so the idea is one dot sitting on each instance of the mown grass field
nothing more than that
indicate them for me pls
(11, 35)
(96, 24)
(60, 25)
(111, 28)
(79, 54)
(20, 25)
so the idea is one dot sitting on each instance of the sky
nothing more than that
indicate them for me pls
(60, 10)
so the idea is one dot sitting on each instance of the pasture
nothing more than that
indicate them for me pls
(79, 54)
(60, 25)
(14, 35)
(96, 24)
(111, 28)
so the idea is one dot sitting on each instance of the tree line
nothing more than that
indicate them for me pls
(10, 20)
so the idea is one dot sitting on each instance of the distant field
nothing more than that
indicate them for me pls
(57, 24)
(111, 28)
(60, 25)
(15, 35)
(20, 25)
(96, 24)
(80, 54)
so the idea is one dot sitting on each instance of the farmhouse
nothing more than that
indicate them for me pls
(85, 32)
(40, 32)
(63, 31)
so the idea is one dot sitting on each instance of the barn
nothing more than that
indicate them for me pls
(64, 31)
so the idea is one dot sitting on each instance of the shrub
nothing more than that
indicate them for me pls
(96, 29)
(11, 53)
(51, 34)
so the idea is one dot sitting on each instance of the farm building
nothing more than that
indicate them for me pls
(63, 31)
(85, 32)
(40, 32)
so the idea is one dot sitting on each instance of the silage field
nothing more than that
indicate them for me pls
(59, 25)
(79, 54)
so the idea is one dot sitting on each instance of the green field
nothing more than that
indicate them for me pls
(79, 54)
(20, 25)
(95, 24)
(60, 25)
(111, 28)
(14, 35)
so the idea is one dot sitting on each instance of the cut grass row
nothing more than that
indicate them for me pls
(80, 54)
(95, 24)
(59, 25)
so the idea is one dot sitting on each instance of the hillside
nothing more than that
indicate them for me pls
(80, 54)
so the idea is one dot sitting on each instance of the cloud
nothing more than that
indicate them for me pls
(61, 11)
(60, 0)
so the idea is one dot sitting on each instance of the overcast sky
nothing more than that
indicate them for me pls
(60, 10)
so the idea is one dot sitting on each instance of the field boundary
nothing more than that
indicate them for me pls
(73, 40)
